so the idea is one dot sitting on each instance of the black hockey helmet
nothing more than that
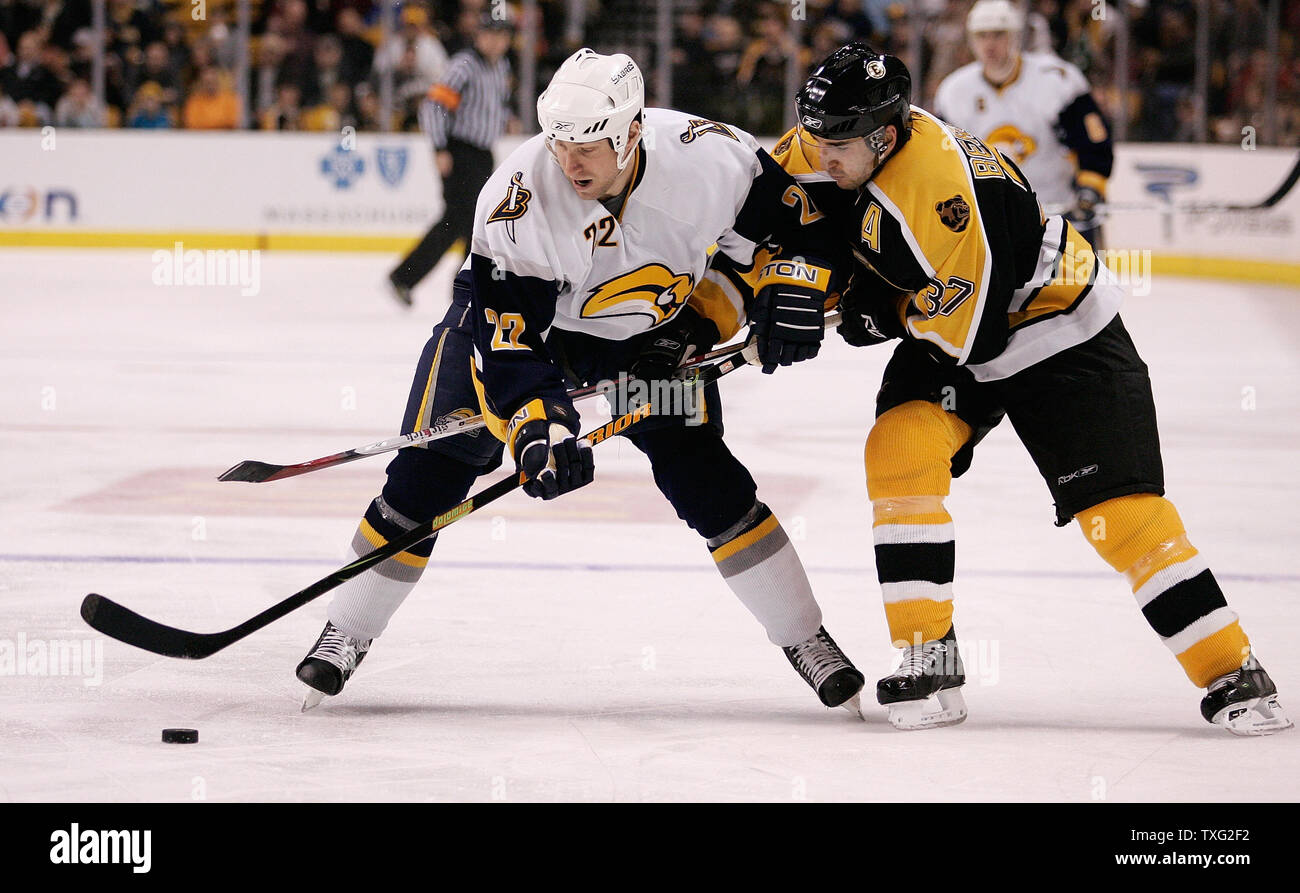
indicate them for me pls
(854, 92)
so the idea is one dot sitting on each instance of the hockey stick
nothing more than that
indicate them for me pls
(254, 471)
(1106, 208)
(125, 625)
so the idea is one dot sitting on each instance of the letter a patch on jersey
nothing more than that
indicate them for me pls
(513, 206)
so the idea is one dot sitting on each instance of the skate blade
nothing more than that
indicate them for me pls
(1258, 716)
(944, 708)
(854, 706)
(312, 699)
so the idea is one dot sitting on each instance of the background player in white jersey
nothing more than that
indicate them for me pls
(1036, 109)
(588, 242)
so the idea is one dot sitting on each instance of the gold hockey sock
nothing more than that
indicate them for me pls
(909, 473)
(1142, 537)
(759, 563)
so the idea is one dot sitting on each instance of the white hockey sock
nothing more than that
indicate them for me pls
(759, 563)
(363, 605)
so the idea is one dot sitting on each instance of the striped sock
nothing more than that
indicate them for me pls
(759, 563)
(1142, 537)
(915, 559)
(363, 605)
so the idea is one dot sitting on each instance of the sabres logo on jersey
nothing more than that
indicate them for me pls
(954, 213)
(652, 291)
(513, 206)
(697, 127)
(1011, 140)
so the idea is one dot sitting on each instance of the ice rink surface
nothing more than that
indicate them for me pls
(585, 649)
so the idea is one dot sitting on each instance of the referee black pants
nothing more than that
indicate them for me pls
(470, 169)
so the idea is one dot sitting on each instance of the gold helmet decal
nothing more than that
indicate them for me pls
(653, 291)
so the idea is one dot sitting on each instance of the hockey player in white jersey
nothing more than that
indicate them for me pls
(1037, 110)
(590, 245)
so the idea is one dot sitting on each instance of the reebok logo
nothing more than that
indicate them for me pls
(1082, 472)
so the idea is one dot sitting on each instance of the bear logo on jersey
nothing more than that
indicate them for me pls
(513, 206)
(954, 213)
(653, 291)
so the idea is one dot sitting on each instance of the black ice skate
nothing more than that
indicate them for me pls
(1245, 702)
(826, 668)
(330, 664)
(925, 691)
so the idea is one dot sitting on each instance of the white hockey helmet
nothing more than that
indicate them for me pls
(994, 15)
(593, 97)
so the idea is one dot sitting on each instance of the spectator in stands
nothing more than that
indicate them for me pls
(222, 38)
(147, 110)
(334, 113)
(55, 60)
(724, 43)
(212, 105)
(30, 83)
(157, 69)
(78, 108)
(409, 89)
(327, 70)
(415, 36)
(829, 35)
(286, 112)
(266, 77)
(1167, 67)
(130, 30)
(369, 113)
(17, 17)
(761, 73)
(8, 109)
(858, 16)
(945, 35)
(178, 50)
(289, 23)
(358, 54)
(200, 58)
(692, 86)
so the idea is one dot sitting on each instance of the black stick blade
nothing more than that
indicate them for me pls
(250, 470)
(123, 624)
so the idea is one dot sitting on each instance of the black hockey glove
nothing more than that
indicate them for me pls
(664, 348)
(788, 313)
(859, 328)
(547, 451)
(1085, 215)
(866, 316)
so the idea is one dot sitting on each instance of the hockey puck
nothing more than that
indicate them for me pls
(180, 736)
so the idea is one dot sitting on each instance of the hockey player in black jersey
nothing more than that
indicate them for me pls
(999, 311)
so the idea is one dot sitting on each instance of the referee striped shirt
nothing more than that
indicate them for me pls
(470, 102)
